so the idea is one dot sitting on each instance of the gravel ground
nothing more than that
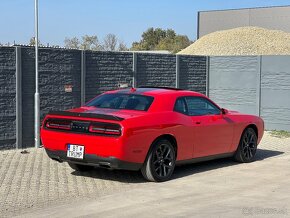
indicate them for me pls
(241, 41)
(31, 182)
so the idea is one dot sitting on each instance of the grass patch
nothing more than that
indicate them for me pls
(280, 134)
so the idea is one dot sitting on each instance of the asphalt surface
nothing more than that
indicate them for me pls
(34, 186)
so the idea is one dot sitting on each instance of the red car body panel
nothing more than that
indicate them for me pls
(195, 136)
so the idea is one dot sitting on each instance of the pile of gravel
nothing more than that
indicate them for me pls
(241, 41)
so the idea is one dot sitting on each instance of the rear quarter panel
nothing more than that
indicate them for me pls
(140, 133)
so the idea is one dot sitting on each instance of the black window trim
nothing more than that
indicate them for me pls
(186, 106)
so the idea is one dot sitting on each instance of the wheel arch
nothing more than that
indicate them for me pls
(254, 127)
(168, 137)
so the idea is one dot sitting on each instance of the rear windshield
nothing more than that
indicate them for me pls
(122, 101)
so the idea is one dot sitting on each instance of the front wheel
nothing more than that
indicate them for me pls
(247, 146)
(160, 163)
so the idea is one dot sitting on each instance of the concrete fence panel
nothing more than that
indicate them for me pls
(106, 71)
(250, 84)
(156, 70)
(59, 84)
(69, 78)
(7, 97)
(234, 82)
(192, 73)
(275, 92)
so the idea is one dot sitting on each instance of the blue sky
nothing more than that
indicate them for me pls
(125, 18)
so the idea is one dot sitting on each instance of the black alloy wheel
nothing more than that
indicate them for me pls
(248, 146)
(160, 162)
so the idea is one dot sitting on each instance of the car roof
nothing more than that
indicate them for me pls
(154, 91)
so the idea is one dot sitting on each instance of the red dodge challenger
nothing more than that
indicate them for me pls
(151, 129)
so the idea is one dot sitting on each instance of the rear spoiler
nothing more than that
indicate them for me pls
(86, 115)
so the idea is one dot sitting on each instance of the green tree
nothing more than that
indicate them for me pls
(150, 39)
(181, 42)
(159, 39)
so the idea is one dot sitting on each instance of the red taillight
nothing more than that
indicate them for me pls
(109, 129)
(96, 129)
(113, 131)
(58, 124)
(87, 127)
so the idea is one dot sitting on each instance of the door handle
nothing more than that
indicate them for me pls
(198, 122)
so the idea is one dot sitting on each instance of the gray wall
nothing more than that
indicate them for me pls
(233, 82)
(255, 85)
(275, 92)
(88, 73)
(57, 68)
(156, 70)
(106, 70)
(271, 18)
(7, 97)
(192, 74)
(250, 84)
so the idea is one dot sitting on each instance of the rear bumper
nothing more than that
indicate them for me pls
(94, 160)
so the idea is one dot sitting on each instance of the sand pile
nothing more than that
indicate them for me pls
(241, 41)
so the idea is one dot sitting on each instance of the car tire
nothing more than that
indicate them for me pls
(160, 162)
(247, 147)
(79, 167)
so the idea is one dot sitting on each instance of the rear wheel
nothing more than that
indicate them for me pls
(160, 162)
(247, 146)
(79, 167)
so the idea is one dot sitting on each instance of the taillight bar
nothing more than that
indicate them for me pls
(58, 124)
(96, 129)
(113, 131)
(107, 129)
(88, 127)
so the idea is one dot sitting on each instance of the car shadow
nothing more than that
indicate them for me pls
(264, 154)
(190, 169)
(125, 176)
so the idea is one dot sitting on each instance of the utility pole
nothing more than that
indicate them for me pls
(36, 95)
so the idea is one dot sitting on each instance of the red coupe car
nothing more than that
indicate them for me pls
(151, 129)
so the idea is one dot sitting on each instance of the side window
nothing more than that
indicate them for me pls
(180, 106)
(198, 106)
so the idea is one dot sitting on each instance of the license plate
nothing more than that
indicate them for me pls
(75, 151)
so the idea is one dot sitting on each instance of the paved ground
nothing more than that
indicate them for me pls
(34, 186)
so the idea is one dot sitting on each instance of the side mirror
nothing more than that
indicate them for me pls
(224, 111)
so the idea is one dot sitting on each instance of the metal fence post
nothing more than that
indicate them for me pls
(207, 76)
(83, 77)
(135, 61)
(36, 94)
(177, 72)
(18, 98)
(259, 78)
